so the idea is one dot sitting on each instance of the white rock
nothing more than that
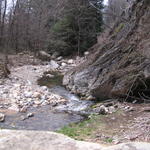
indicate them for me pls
(30, 115)
(37, 103)
(63, 64)
(15, 94)
(111, 109)
(14, 107)
(37, 95)
(2, 117)
(86, 53)
(70, 61)
(28, 94)
(54, 64)
(24, 109)
(44, 88)
(59, 58)
(50, 75)
(17, 85)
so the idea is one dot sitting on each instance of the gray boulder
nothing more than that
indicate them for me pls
(43, 140)
(43, 56)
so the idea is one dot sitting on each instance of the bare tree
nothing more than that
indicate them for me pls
(3, 6)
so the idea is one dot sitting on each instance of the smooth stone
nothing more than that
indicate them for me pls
(70, 61)
(30, 115)
(14, 107)
(2, 117)
(59, 58)
(54, 64)
(86, 53)
(63, 64)
(44, 140)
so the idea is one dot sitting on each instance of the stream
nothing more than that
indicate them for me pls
(50, 118)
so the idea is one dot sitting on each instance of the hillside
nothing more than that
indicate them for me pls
(119, 66)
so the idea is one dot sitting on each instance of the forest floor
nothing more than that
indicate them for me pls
(130, 122)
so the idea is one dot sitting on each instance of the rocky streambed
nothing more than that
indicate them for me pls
(33, 98)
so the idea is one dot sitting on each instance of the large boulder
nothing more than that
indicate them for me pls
(40, 140)
(119, 67)
(44, 56)
(43, 140)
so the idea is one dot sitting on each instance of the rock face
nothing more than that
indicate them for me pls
(121, 63)
(40, 140)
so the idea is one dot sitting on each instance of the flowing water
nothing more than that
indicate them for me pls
(47, 118)
(74, 105)
(44, 119)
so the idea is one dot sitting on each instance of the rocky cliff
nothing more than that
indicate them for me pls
(120, 66)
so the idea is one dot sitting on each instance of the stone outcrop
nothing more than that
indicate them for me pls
(119, 64)
(41, 140)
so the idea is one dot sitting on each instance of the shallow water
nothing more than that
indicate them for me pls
(44, 119)
(47, 118)
(74, 103)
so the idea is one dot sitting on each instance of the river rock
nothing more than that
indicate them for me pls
(54, 64)
(59, 58)
(86, 53)
(63, 64)
(37, 95)
(2, 117)
(23, 109)
(28, 94)
(70, 61)
(44, 56)
(50, 75)
(14, 107)
(30, 115)
(101, 110)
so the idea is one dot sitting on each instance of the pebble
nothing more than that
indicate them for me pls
(102, 110)
(28, 94)
(30, 115)
(14, 107)
(59, 58)
(24, 109)
(2, 117)
(70, 61)
(63, 64)
(86, 53)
